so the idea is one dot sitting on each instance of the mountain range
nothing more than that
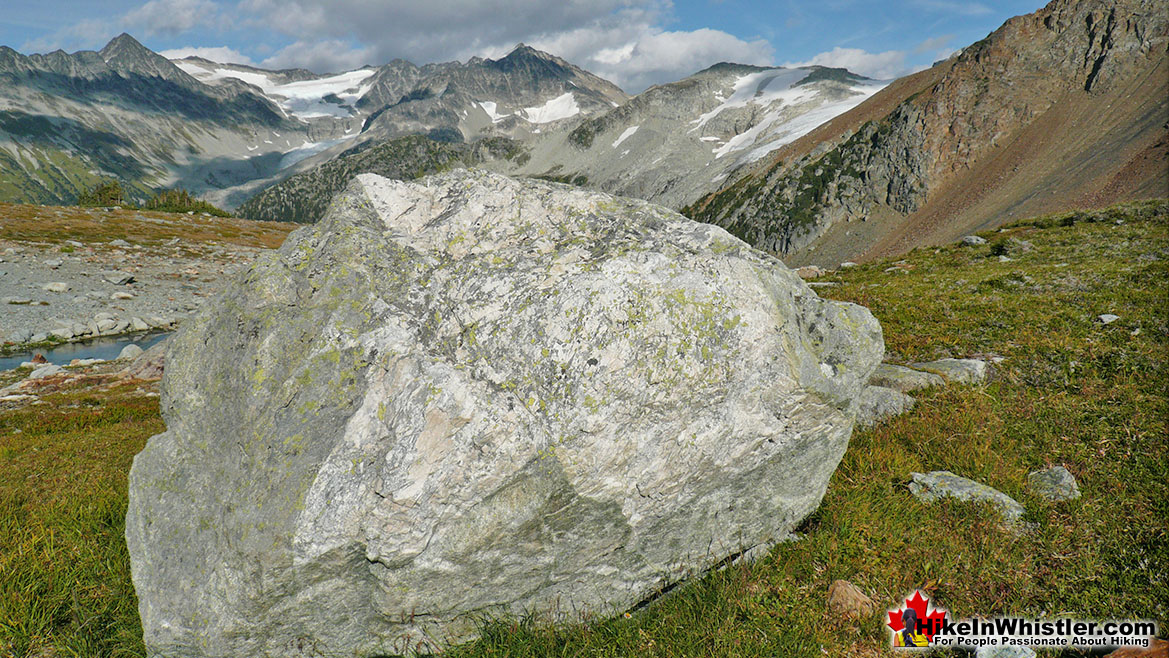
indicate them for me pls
(1064, 107)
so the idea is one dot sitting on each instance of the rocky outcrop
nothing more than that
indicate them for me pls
(471, 396)
(303, 198)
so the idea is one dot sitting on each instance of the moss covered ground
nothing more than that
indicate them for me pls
(1069, 391)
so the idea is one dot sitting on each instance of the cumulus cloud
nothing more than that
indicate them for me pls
(643, 55)
(429, 31)
(86, 34)
(170, 17)
(617, 39)
(221, 54)
(332, 56)
(154, 18)
(881, 66)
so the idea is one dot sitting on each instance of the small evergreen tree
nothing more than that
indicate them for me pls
(106, 193)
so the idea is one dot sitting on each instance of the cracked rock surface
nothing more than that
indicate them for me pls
(473, 395)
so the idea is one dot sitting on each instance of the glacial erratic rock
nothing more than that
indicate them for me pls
(958, 371)
(935, 485)
(1055, 483)
(474, 396)
(904, 379)
(878, 403)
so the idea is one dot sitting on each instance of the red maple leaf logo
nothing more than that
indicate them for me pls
(931, 618)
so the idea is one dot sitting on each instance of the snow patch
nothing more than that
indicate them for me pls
(308, 149)
(625, 135)
(492, 111)
(558, 108)
(304, 99)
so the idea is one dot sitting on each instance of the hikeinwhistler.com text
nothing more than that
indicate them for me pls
(1058, 633)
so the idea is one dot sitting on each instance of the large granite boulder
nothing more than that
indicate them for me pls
(471, 396)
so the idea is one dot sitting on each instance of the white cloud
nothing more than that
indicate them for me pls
(170, 17)
(332, 56)
(86, 34)
(882, 66)
(617, 39)
(959, 7)
(220, 54)
(935, 44)
(653, 56)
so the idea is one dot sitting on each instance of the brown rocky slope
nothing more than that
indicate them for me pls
(1067, 107)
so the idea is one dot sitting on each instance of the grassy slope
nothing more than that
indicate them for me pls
(1071, 391)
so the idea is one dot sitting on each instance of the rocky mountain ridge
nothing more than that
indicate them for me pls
(1056, 109)
(68, 121)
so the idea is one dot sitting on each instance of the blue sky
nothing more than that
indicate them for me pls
(635, 43)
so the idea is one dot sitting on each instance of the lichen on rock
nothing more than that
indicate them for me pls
(470, 396)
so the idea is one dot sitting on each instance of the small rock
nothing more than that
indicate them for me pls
(1004, 259)
(934, 485)
(53, 263)
(121, 295)
(1004, 652)
(848, 600)
(64, 333)
(904, 379)
(809, 272)
(39, 337)
(19, 301)
(122, 326)
(85, 362)
(138, 324)
(878, 403)
(1054, 483)
(823, 284)
(1135, 332)
(104, 316)
(1021, 245)
(74, 243)
(958, 371)
(21, 336)
(130, 351)
(56, 286)
(119, 278)
(46, 371)
(106, 326)
(119, 243)
(1107, 318)
(973, 240)
(38, 358)
(847, 264)
(148, 365)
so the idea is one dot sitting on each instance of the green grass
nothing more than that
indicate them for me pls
(64, 573)
(1070, 391)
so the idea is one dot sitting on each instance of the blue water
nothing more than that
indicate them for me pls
(97, 348)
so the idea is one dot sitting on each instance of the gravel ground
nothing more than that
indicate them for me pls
(78, 290)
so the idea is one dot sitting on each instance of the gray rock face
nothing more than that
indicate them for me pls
(939, 484)
(473, 395)
(1054, 483)
(958, 371)
(878, 403)
(973, 240)
(904, 379)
